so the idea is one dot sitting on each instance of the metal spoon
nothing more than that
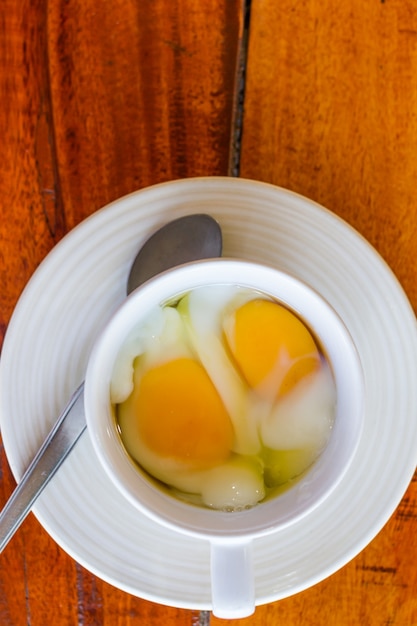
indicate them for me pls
(185, 239)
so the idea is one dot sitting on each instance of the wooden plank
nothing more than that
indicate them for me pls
(141, 93)
(330, 108)
(331, 113)
(98, 99)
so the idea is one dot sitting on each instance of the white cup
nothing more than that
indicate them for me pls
(230, 534)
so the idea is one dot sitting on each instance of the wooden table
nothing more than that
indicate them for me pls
(102, 98)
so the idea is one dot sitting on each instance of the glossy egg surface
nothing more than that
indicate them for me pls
(223, 396)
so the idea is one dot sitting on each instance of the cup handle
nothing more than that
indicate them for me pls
(232, 579)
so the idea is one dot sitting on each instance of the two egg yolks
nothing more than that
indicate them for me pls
(272, 346)
(179, 412)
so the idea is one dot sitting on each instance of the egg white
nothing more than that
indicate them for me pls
(159, 339)
(303, 418)
(234, 485)
(121, 384)
(204, 310)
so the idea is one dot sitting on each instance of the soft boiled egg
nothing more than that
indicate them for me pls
(172, 420)
(223, 395)
(176, 413)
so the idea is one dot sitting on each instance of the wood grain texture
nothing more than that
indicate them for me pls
(97, 100)
(141, 93)
(101, 99)
(331, 113)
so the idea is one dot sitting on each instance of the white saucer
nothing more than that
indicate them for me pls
(74, 292)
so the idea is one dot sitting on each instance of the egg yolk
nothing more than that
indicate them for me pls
(272, 347)
(181, 416)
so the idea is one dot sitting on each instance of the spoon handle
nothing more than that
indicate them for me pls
(48, 459)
